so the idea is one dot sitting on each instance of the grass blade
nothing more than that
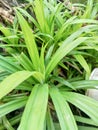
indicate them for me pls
(87, 128)
(7, 65)
(66, 119)
(40, 16)
(7, 33)
(84, 84)
(64, 49)
(88, 10)
(50, 124)
(12, 81)
(12, 105)
(84, 103)
(29, 40)
(24, 61)
(33, 118)
(15, 79)
(68, 45)
(7, 124)
(85, 120)
(84, 64)
(42, 62)
(25, 13)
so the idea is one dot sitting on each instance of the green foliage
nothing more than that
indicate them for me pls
(32, 117)
(45, 67)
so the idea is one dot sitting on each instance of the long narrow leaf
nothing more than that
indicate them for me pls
(66, 119)
(7, 124)
(34, 115)
(42, 62)
(24, 61)
(68, 45)
(12, 81)
(88, 10)
(7, 32)
(64, 49)
(25, 13)
(85, 120)
(83, 63)
(85, 84)
(50, 124)
(12, 105)
(87, 128)
(40, 15)
(84, 103)
(8, 66)
(30, 41)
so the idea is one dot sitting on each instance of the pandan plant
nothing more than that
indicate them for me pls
(43, 69)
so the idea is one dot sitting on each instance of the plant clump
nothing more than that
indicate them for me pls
(48, 54)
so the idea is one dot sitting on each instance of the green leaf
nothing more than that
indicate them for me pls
(29, 40)
(38, 76)
(66, 119)
(63, 50)
(68, 45)
(85, 84)
(63, 28)
(34, 114)
(7, 32)
(83, 63)
(25, 13)
(48, 54)
(7, 65)
(15, 79)
(7, 124)
(42, 64)
(40, 16)
(3, 74)
(84, 21)
(13, 121)
(87, 13)
(84, 103)
(64, 82)
(24, 61)
(85, 120)
(87, 128)
(12, 105)
(50, 124)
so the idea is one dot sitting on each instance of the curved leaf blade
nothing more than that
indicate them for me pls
(87, 128)
(64, 49)
(84, 103)
(15, 79)
(66, 119)
(50, 124)
(68, 45)
(29, 40)
(8, 66)
(11, 106)
(34, 114)
(83, 63)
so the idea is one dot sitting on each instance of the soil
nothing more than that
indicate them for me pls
(6, 10)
